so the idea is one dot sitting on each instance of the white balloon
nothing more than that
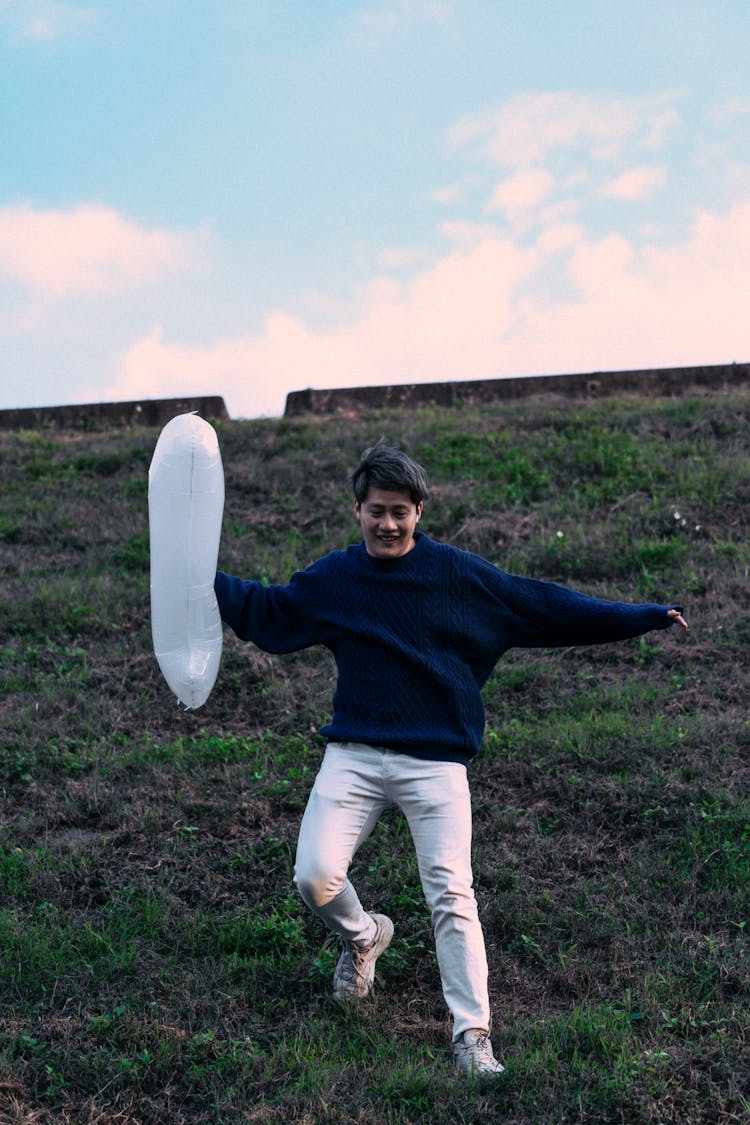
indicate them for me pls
(185, 505)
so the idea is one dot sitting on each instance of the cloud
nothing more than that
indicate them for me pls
(486, 309)
(445, 322)
(729, 109)
(373, 26)
(449, 193)
(657, 305)
(89, 250)
(636, 184)
(521, 192)
(530, 127)
(43, 20)
(398, 258)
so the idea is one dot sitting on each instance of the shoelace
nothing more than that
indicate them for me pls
(351, 966)
(481, 1051)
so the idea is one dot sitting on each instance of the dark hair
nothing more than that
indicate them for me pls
(384, 466)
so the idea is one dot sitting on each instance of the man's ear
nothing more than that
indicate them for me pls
(420, 508)
(357, 510)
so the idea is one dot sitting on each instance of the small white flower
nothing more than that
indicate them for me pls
(561, 535)
(677, 516)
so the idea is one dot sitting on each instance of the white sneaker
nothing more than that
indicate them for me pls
(354, 976)
(472, 1055)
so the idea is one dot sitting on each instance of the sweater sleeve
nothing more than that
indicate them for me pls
(545, 614)
(275, 618)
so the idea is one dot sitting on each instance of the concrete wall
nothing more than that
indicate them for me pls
(353, 400)
(657, 381)
(105, 415)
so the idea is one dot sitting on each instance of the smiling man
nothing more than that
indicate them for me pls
(416, 628)
(388, 521)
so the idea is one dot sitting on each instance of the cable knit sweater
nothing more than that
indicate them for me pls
(416, 638)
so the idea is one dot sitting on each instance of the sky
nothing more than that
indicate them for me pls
(251, 197)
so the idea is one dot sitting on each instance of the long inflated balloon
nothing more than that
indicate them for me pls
(185, 505)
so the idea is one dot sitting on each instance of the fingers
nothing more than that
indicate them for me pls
(675, 615)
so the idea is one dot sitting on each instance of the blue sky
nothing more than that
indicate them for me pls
(248, 198)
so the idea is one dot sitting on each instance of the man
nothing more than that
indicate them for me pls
(416, 628)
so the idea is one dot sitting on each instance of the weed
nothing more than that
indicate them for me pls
(133, 556)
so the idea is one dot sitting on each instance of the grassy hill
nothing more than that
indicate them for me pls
(156, 965)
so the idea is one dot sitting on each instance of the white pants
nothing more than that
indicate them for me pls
(356, 783)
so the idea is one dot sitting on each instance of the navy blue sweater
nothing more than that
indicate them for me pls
(416, 638)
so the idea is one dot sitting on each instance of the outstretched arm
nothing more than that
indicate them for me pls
(270, 616)
(547, 615)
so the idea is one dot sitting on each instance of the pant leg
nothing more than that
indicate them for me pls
(345, 804)
(435, 799)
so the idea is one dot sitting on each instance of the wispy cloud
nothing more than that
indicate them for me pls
(43, 20)
(380, 22)
(530, 127)
(731, 108)
(566, 152)
(88, 250)
(524, 190)
(398, 258)
(636, 184)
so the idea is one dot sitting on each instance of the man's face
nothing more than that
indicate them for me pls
(388, 520)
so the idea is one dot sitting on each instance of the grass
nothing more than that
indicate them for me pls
(157, 965)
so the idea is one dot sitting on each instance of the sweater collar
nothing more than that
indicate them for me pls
(391, 566)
